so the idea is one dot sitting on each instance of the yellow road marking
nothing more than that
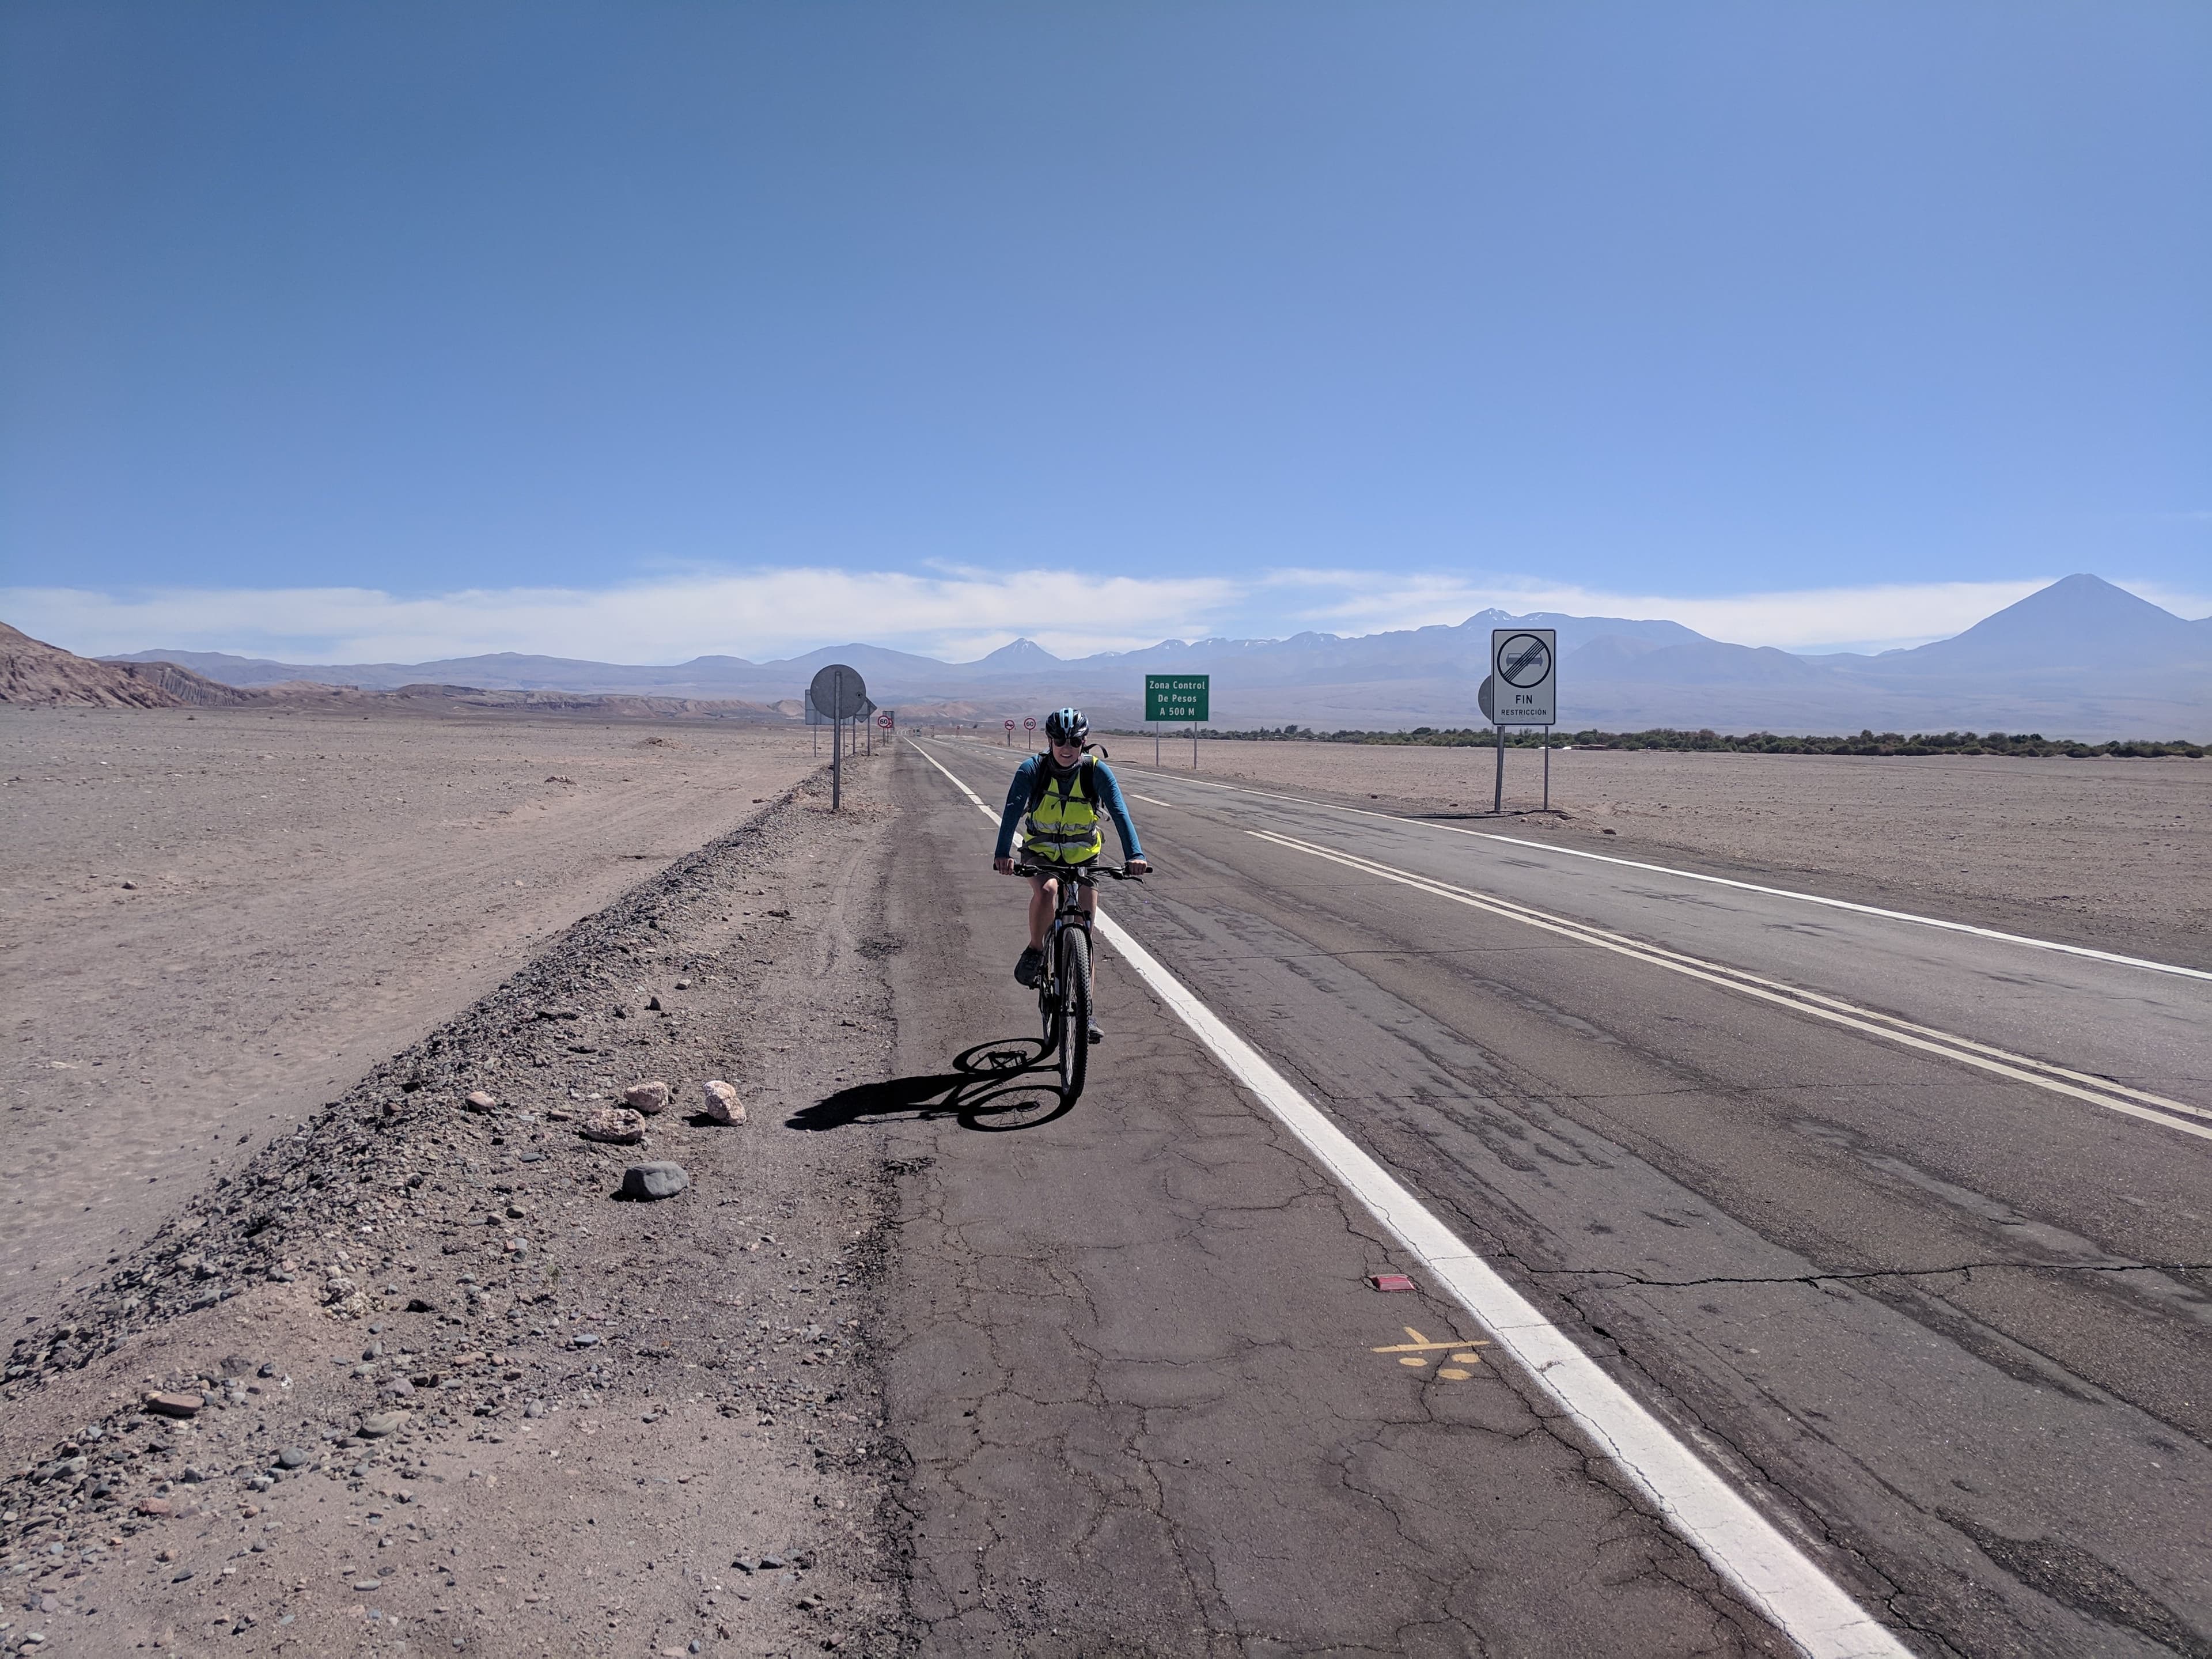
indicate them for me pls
(1422, 1344)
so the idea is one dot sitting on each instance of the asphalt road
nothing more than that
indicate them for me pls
(1905, 1233)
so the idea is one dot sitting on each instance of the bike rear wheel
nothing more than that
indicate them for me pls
(1073, 1032)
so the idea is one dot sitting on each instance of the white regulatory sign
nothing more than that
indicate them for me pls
(1525, 662)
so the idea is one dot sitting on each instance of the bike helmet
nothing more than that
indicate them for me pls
(1068, 726)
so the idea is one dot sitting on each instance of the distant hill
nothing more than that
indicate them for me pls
(33, 671)
(2080, 657)
(1336, 659)
(2081, 621)
(510, 670)
(220, 666)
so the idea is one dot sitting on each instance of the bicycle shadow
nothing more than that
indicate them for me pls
(994, 1088)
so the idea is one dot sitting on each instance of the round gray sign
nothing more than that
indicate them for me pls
(838, 692)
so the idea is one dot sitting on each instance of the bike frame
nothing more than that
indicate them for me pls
(1068, 912)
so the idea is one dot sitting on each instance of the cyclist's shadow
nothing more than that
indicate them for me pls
(992, 1087)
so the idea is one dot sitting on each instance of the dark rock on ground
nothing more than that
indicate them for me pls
(654, 1181)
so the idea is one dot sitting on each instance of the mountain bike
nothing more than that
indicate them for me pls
(1064, 981)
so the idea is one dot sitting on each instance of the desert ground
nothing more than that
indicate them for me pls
(216, 920)
(2106, 853)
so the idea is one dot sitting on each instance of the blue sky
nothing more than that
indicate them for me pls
(634, 331)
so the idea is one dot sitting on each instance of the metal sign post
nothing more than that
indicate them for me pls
(1010, 734)
(1486, 700)
(1179, 697)
(1028, 724)
(838, 694)
(1523, 689)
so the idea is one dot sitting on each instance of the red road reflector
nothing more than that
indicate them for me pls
(1390, 1282)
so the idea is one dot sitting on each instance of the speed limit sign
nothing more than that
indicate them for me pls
(1029, 724)
(884, 720)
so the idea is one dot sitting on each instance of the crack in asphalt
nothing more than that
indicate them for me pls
(1968, 1268)
(2049, 1567)
(1796, 1512)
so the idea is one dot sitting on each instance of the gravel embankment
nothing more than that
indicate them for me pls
(425, 1374)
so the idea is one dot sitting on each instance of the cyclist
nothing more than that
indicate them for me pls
(1061, 790)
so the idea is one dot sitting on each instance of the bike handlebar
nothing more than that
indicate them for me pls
(1081, 872)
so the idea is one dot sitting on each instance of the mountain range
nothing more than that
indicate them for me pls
(2080, 658)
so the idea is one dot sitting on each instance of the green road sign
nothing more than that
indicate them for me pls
(1178, 697)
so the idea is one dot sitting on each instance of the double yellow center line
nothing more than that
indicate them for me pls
(2018, 1068)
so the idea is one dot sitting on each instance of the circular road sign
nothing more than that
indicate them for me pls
(1523, 660)
(1028, 722)
(1009, 726)
(838, 693)
(1485, 699)
(884, 720)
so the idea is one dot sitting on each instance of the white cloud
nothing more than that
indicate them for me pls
(759, 614)
(953, 613)
(2179, 600)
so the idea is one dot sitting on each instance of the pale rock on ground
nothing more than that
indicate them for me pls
(617, 1126)
(722, 1103)
(647, 1097)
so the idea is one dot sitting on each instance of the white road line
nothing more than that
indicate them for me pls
(1726, 881)
(1746, 1548)
(2020, 1068)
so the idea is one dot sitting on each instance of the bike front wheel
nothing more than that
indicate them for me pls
(1073, 1033)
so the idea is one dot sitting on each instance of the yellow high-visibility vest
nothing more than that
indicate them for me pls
(1063, 825)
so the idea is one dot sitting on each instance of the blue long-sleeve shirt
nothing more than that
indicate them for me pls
(1108, 798)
